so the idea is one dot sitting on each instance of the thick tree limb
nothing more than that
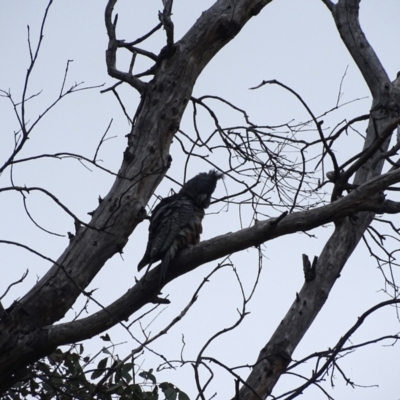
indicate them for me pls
(145, 163)
(362, 199)
(276, 355)
(346, 15)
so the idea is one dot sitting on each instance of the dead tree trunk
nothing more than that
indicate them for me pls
(24, 330)
(276, 355)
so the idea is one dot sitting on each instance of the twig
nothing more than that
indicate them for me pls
(317, 124)
(165, 19)
(102, 141)
(340, 345)
(369, 152)
(25, 131)
(33, 220)
(147, 35)
(65, 77)
(54, 198)
(340, 87)
(69, 155)
(24, 275)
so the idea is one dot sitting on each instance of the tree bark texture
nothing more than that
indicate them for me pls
(276, 355)
(24, 337)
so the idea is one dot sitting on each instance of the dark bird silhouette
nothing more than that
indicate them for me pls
(176, 221)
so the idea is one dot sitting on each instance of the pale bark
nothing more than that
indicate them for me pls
(23, 337)
(276, 354)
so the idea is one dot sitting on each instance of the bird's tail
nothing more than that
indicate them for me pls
(164, 267)
(145, 260)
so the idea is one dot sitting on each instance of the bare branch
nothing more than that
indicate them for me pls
(65, 78)
(220, 246)
(339, 346)
(32, 64)
(340, 87)
(268, 168)
(111, 53)
(24, 127)
(345, 13)
(102, 140)
(67, 155)
(165, 19)
(47, 193)
(369, 152)
(33, 220)
(24, 275)
(138, 50)
(144, 37)
(318, 124)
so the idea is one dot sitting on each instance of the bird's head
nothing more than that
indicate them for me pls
(201, 187)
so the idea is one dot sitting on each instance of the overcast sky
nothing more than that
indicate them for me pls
(293, 41)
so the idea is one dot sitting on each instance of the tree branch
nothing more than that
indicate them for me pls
(275, 356)
(145, 162)
(345, 13)
(145, 291)
(111, 52)
(339, 347)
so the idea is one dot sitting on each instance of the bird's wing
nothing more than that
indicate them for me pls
(155, 220)
(183, 227)
(169, 220)
(165, 223)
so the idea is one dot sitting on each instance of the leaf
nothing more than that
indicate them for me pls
(125, 371)
(47, 388)
(153, 395)
(33, 385)
(113, 388)
(183, 396)
(73, 357)
(169, 390)
(136, 391)
(100, 368)
(148, 375)
(43, 367)
(102, 363)
(96, 374)
(81, 348)
(126, 375)
(127, 367)
(56, 357)
(106, 337)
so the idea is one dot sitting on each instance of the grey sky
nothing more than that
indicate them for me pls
(293, 41)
